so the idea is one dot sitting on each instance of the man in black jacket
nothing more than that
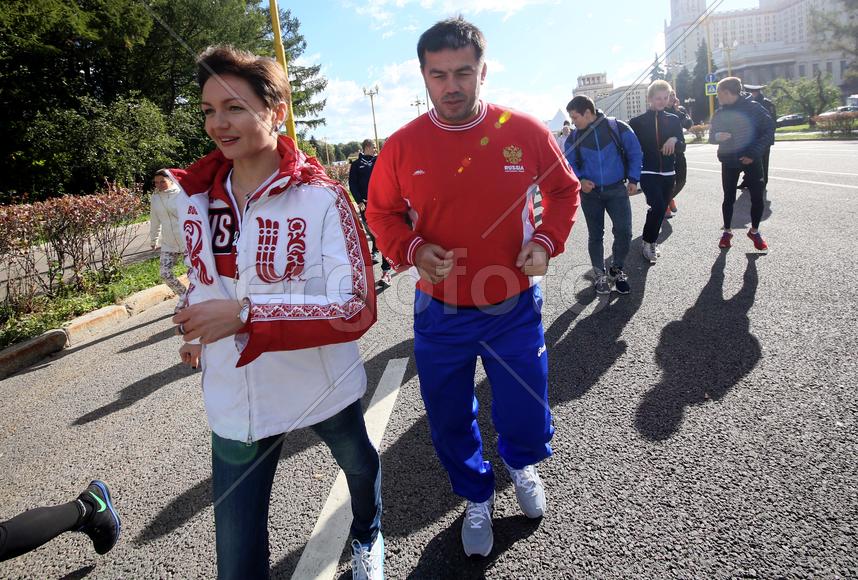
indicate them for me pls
(674, 108)
(743, 130)
(359, 174)
(660, 136)
(758, 96)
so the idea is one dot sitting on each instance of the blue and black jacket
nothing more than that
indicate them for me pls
(750, 127)
(653, 129)
(594, 153)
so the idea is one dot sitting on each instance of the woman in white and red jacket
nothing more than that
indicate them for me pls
(281, 289)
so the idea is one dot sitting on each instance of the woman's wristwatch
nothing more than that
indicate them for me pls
(244, 313)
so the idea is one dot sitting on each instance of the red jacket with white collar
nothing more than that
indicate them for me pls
(470, 188)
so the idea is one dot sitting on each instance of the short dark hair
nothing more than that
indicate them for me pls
(581, 104)
(452, 33)
(731, 85)
(264, 75)
(366, 143)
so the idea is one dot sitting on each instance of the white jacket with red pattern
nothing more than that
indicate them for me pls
(301, 258)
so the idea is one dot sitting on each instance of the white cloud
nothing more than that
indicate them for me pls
(616, 48)
(383, 18)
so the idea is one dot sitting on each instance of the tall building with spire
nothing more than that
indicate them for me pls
(774, 40)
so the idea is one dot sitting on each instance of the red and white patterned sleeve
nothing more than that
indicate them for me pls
(342, 307)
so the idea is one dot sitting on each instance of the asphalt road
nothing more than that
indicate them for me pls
(706, 423)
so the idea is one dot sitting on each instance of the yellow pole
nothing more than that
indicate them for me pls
(709, 66)
(281, 58)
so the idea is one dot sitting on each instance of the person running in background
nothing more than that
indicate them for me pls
(675, 108)
(756, 94)
(606, 156)
(281, 290)
(660, 136)
(465, 176)
(92, 513)
(742, 129)
(359, 175)
(164, 230)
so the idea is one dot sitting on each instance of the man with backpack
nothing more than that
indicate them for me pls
(606, 156)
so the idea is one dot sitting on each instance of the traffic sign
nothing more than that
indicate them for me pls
(711, 78)
(711, 89)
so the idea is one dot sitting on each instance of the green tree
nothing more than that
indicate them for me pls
(350, 148)
(658, 73)
(75, 150)
(698, 83)
(683, 86)
(838, 30)
(807, 96)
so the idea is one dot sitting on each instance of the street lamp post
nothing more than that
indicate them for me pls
(728, 49)
(417, 103)
(327, 151)
(371, 93)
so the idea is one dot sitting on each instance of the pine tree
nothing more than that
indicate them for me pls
(306, 81)
(838, 30)
(698, 82)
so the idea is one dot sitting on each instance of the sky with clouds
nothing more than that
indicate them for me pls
(536, 50)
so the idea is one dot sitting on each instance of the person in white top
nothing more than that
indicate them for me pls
(281, 288)
(164, 229)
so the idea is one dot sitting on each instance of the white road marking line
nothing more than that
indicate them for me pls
(795, 180)
(786, 169)
(322, 553)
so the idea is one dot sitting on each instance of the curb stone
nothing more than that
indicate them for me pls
(24, 354)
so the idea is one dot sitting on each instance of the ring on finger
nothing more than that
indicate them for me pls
(182, 329)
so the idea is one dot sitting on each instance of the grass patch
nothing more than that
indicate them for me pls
(795, 129)
(52, 313)
(815, 137)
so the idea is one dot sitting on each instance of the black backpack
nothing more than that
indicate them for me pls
(614, 130)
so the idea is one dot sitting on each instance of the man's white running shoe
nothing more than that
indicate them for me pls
(368, 561)
(477, 536)
(529, 490)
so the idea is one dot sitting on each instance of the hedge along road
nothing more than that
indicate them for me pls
(706, 423)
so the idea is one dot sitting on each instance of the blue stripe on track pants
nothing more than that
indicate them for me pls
(509, 339)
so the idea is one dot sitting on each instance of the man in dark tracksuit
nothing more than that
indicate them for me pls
(660, 136)
(674, 108)
(359, 174)
(743, 130)
(606, 156)
(758, 96)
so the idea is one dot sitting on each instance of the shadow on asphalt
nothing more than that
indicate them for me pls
(593, 345)
(195, 499)
(154, 339)
(63, 353)
(444, 557)
(412, 474)
(742, 210)
(703, 355)
(138, 391)
(79, 573)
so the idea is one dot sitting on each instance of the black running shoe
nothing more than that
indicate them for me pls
(103, 525)
(621, 281)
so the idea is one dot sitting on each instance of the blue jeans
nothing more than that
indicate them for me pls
(241, 515)
(509, 339)
(615, 201)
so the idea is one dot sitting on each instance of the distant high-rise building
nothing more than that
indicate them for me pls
(758, 45)
(594, 86)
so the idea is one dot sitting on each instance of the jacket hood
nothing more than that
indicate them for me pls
(295, 166)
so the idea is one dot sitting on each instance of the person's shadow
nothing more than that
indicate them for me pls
(579, 358)
(742, 210)
(703, 355)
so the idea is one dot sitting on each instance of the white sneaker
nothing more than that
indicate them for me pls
(648, 252)
(529, 490)
(656, 249)
(368, 561)
(477, 536)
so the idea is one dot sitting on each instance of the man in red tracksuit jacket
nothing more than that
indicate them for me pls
(464, 177)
